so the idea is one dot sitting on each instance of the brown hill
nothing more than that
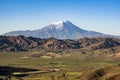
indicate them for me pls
(106, 73)
(22, 43)
(99, 43)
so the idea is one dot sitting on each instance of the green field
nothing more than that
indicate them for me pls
(72, 65)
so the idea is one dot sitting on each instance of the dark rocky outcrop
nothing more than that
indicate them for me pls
(22, 43)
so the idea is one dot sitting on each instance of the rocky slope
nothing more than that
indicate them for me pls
(22, 43)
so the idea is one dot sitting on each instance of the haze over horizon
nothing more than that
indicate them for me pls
(96, 15)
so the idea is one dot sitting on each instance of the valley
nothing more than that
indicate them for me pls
(68, 64)
(96, 58)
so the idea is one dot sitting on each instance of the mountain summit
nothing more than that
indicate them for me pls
(59, 30)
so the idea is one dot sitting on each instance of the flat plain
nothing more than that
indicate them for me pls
(67, 65)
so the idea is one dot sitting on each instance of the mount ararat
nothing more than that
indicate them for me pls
(59, 30)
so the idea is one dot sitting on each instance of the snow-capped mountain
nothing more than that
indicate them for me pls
(59, 30)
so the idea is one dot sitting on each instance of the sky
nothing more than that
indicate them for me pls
(96, 15)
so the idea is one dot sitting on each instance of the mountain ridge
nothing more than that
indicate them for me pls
(59, 30)
(22, 43)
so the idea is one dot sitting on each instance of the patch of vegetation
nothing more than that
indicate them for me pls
(71, 64)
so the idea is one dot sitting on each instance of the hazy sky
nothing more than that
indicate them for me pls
(98, 15)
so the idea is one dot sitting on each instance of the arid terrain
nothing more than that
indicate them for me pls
(94, 58)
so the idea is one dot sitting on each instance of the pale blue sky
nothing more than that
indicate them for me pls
(98, 15)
